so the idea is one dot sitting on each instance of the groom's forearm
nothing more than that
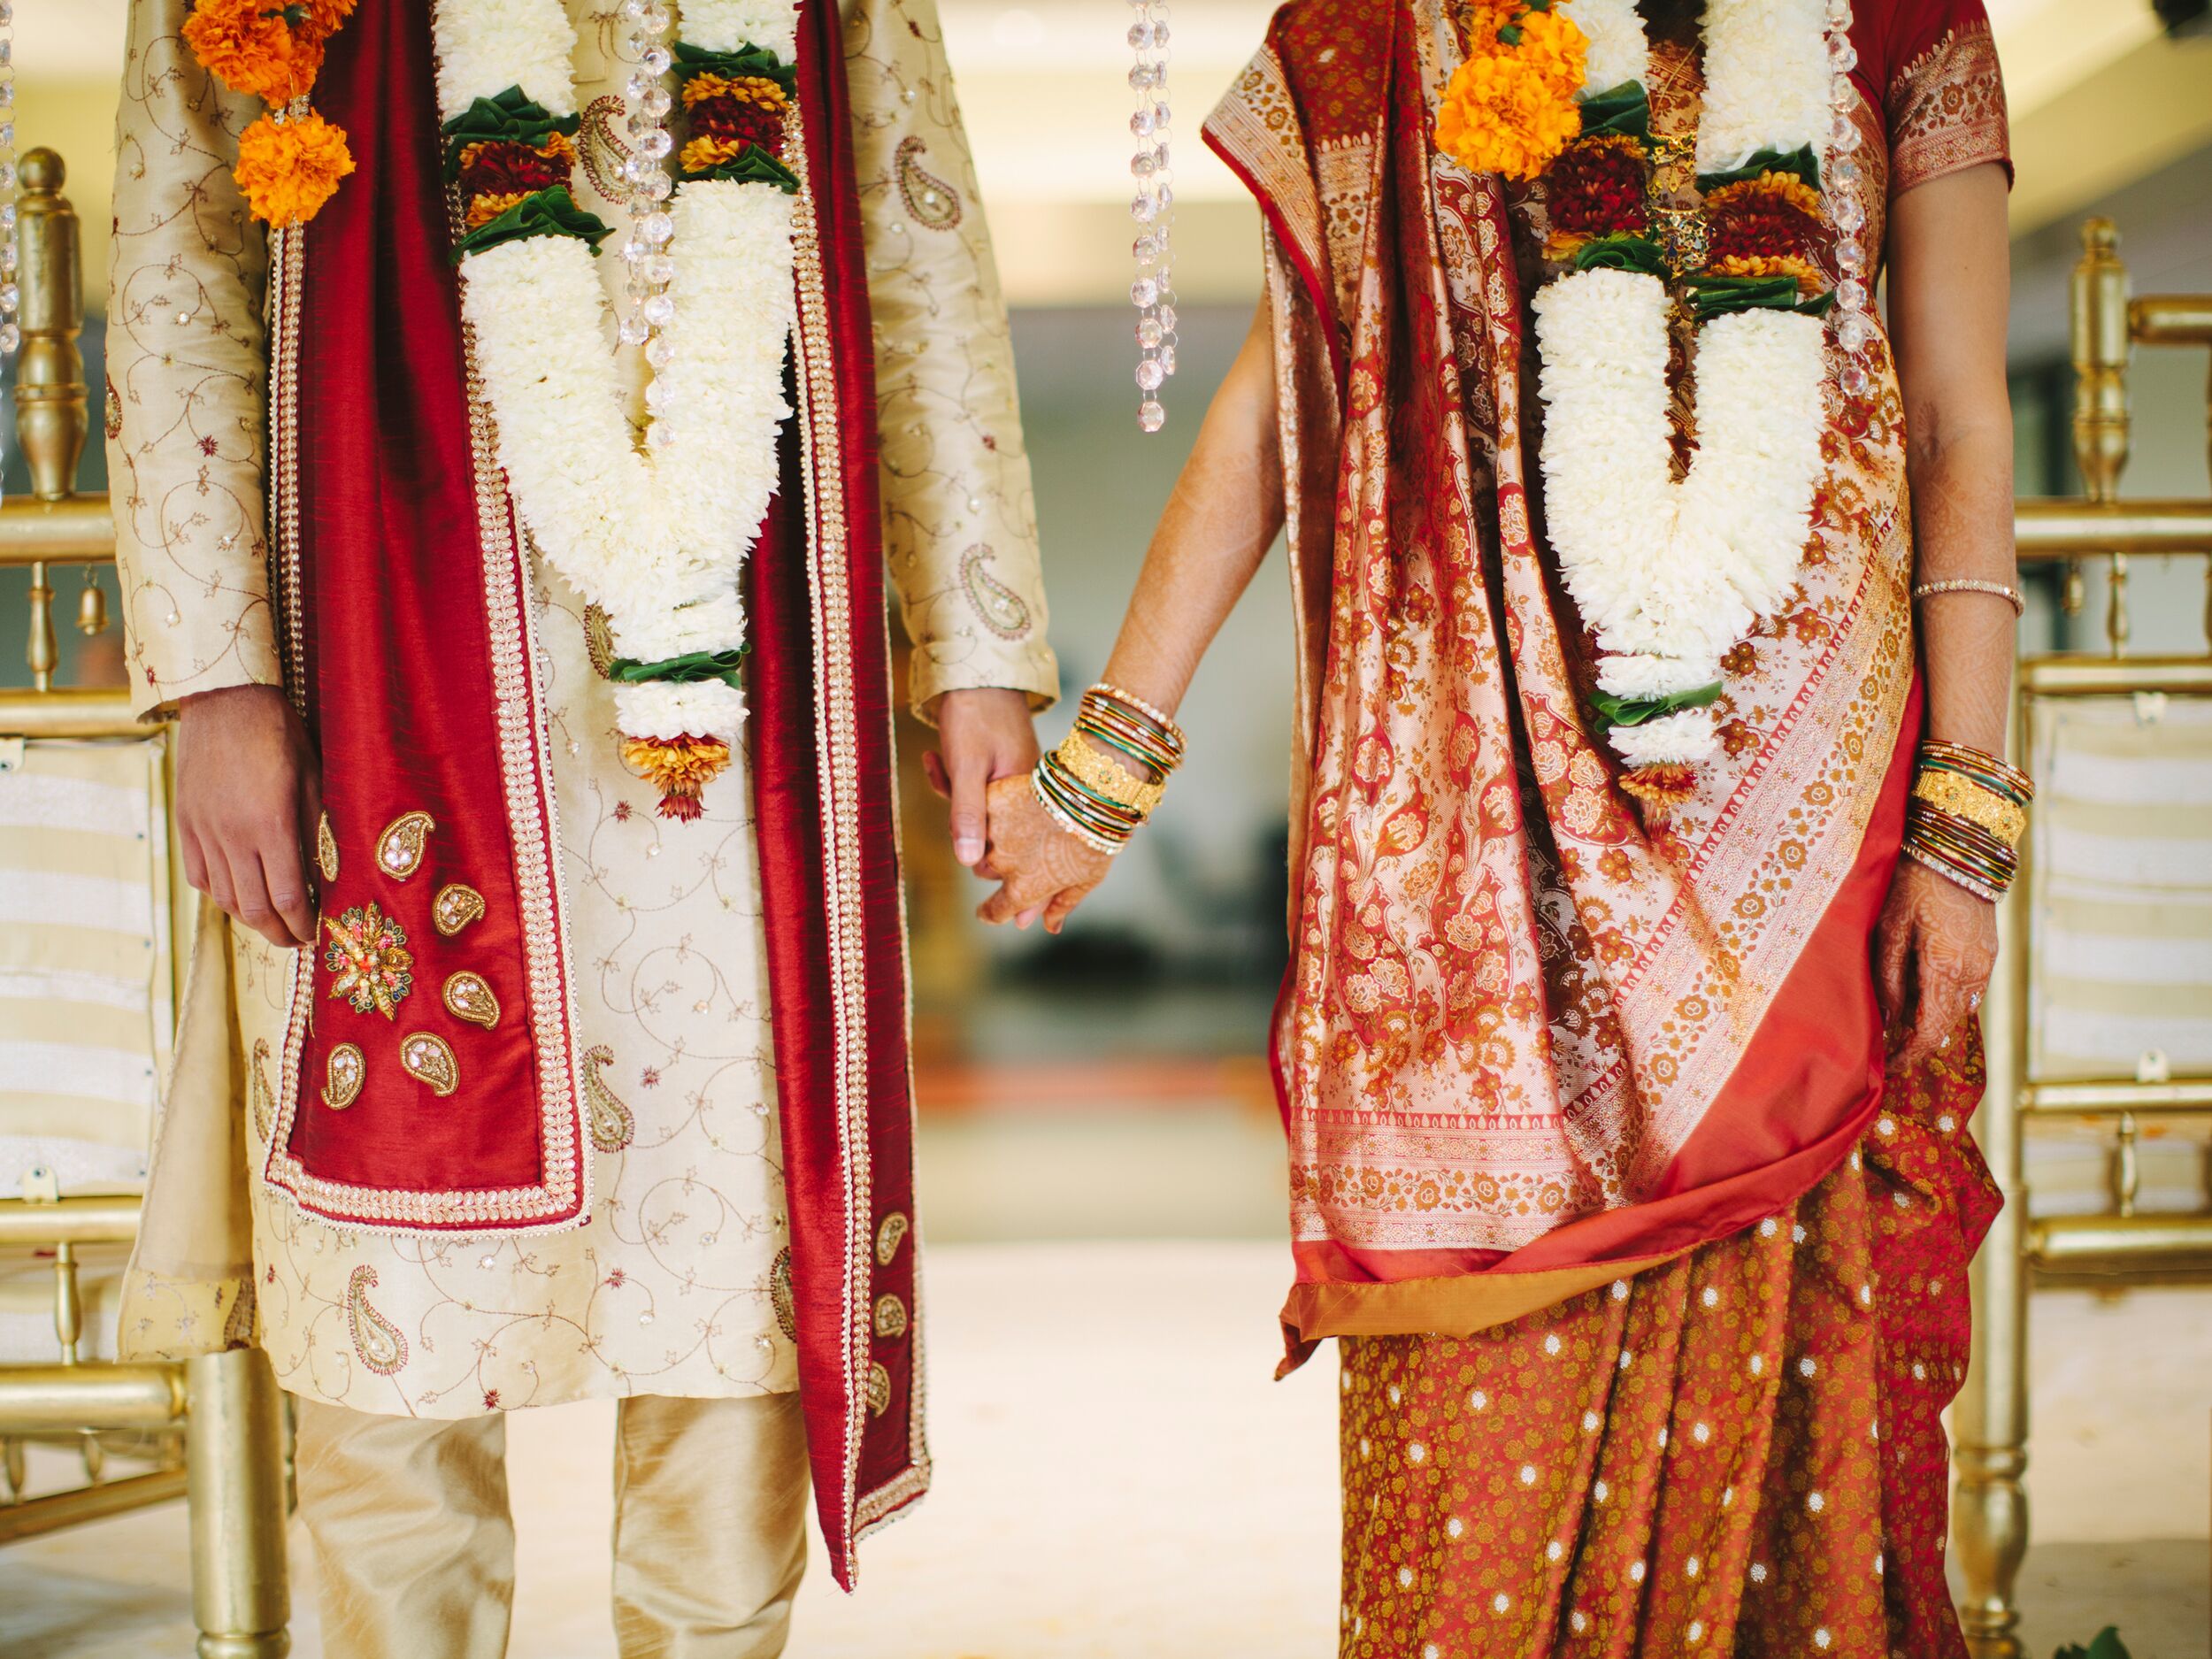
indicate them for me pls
(1219, 522)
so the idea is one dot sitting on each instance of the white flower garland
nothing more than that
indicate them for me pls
(1671, 575)
(656, 538)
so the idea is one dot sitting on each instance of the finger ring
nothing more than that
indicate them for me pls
(1974, 1003)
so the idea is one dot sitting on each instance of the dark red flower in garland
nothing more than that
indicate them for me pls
(740, 121)
(1770, 217)
(505, 167)
(1597, 188)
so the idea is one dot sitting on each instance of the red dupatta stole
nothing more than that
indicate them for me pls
(408, 604)
(1530, 1043)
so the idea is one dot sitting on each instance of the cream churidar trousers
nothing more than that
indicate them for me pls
(415, 1549)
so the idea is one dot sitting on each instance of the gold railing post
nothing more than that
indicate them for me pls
(51, 414)
(1989, 1507)
(2098, 315)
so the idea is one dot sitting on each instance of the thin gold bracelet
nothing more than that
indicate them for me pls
(1973, 585)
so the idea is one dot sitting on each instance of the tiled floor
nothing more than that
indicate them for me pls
(1118, 1480)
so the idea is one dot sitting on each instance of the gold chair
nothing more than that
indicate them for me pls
(213, 1427)
(2099, 892)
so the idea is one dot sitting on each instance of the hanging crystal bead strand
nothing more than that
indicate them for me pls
(650, 308)
(1153, 293)
(10, 292)
(1857, 335)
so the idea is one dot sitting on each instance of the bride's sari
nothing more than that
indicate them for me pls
(1652, 1274)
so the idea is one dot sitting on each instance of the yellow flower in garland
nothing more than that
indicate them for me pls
(1507, 116)
(288, 169)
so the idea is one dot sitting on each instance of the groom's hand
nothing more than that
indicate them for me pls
(249, 796)
(984, 735)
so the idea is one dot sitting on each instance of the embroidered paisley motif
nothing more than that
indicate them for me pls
(927, 197)
(878, 1389)
(430, 1062)
(612, 1124)
(348, 1069)
(600, 152)
(399, 850)
(889, 1236)
(457, 905)
(1003, 611)
(890, 1318)
(780, 1296)
(599, 641)
(467, 996)
(325, 848)
(264, 1096)
(238, 1324)
(376, 1340)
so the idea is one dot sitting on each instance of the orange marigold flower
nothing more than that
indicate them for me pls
(1500, 115)
(1784, 188)
(288, 169)
(1483, 20)
(1807, 275)
(1554, 48)
(700, 154)
(253, 50)
(325, 16)
(745, 88)
(678, 767)
(484, 208)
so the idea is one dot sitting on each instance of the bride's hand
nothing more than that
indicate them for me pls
(1045, 871)
(1934, 949)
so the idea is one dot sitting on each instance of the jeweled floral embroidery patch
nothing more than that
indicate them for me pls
(373, 969)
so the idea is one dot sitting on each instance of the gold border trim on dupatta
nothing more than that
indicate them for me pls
(561, 1200)
(1461, 1305)
(837, 747)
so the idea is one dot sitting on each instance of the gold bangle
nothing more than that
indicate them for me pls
(1973, 585)
(1950, 793)
(1094, 768)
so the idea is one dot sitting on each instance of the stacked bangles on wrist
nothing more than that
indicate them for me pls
(1102, 783)
(1966, 816)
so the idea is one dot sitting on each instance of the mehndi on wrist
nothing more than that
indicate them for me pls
(1966, 815)
(1101, 800)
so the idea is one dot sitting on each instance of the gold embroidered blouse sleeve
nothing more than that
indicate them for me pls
(960, 525)
(1946, 110)
(185, 378)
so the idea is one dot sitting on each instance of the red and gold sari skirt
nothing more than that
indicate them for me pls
(1738, 1452)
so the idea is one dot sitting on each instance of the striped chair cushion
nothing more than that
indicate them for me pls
(2121, 863)
(84, 1004)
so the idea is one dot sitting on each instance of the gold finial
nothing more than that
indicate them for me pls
(51, 412)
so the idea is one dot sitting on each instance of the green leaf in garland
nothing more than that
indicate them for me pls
(746, 60)
(1640, 254)
(750, 165)
(549, 212)
(1640, 711)
(1712, 296)
(695, 668)
(1800, 162)
(1624, 109)
(513, 117)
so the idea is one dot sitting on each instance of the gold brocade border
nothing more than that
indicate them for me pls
(285, 258)
(838, 755)
(1460, 1305)
(561, 1199)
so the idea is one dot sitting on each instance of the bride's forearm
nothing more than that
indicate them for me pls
(1948, 297)
(1220, 521)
